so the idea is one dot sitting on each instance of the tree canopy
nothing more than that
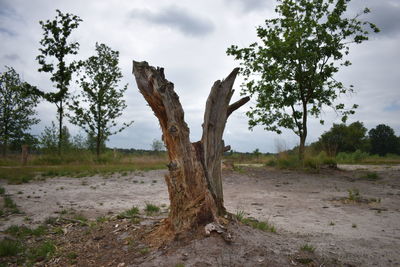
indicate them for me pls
(383, 140)
(17, 109)
(55, 45)
(96, 108)
(291, 70)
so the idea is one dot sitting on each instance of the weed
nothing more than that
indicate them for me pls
(2, 190)
(354, 225)
(354, 195)
(331, 223)
(51, 220)
(9, 247)
(129, 213)
(308, 248)
(240, 215)
(151, 209)
(179, 265)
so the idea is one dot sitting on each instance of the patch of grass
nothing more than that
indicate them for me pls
(179, 265)
(2, 190)
(308, 248)
(41, 252)
(10, 205)
(9, 247)
(354, 195)
(370, 176)
(151, 209)
(240, 215)
(263, 226)
(23, 231)
(72, 255)
(132, 212)
(144, 251)
(101, 219)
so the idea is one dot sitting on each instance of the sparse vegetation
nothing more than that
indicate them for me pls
(132, 212)
(9, 247)
(308, 248)
(151, 209)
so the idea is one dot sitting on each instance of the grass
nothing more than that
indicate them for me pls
(370, 176)
(73, 165)
(132, 212)
(151, 209)
(10, 205)
(263, 226)
(308, 248)
(2, 190)
(23, 231)
(9, 247)
(41, 252)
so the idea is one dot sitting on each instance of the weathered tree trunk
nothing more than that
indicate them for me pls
(194, 179)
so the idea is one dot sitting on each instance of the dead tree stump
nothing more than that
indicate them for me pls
(194, 180)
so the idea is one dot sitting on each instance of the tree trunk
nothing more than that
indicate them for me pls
(60, 121)
(194, 180)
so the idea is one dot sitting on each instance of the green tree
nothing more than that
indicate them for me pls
(49, 139)
(383, 140)
(157, 145)
(100, 103)
(342, 138)
(17, 109)
(55, 45)
(291, 71)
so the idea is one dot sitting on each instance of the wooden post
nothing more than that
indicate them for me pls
(24, 154)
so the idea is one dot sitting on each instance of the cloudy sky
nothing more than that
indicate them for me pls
(189, 39)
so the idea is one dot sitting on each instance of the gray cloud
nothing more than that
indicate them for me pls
(251, 5)
(386, 16)
(178, 18)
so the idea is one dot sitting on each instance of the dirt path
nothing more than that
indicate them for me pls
(301, 205)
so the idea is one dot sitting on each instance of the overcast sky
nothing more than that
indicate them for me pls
(189, 39)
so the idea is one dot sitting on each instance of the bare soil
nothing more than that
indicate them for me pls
(306, 208)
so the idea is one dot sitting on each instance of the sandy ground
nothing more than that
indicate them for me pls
(303, 206)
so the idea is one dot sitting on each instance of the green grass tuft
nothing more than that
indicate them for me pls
(151, 209)
(307, 247)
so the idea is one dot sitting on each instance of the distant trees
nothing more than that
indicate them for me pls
(291, 70)
(343, 138)
(55, 45)
(17, 110)
(96, 108)
(383, 140)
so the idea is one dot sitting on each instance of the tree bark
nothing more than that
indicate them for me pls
(194, 180)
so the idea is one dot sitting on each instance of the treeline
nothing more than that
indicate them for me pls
(95, 108)
(342, 138)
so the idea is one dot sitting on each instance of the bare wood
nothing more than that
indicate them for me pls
(194, 179)
(24, 154)
(237, 105)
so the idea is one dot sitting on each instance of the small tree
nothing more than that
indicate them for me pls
(49, 139)
(55, 44)
(296, 61)
(104, 102)
(157, 145)
(383, 140)
(17, 109)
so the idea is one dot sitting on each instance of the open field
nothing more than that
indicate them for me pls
(347, 216)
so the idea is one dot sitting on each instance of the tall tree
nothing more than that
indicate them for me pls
(383, 140)
(194, 180)
(56, 45)
(291, 71)
(100, 103)
(17, 109)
